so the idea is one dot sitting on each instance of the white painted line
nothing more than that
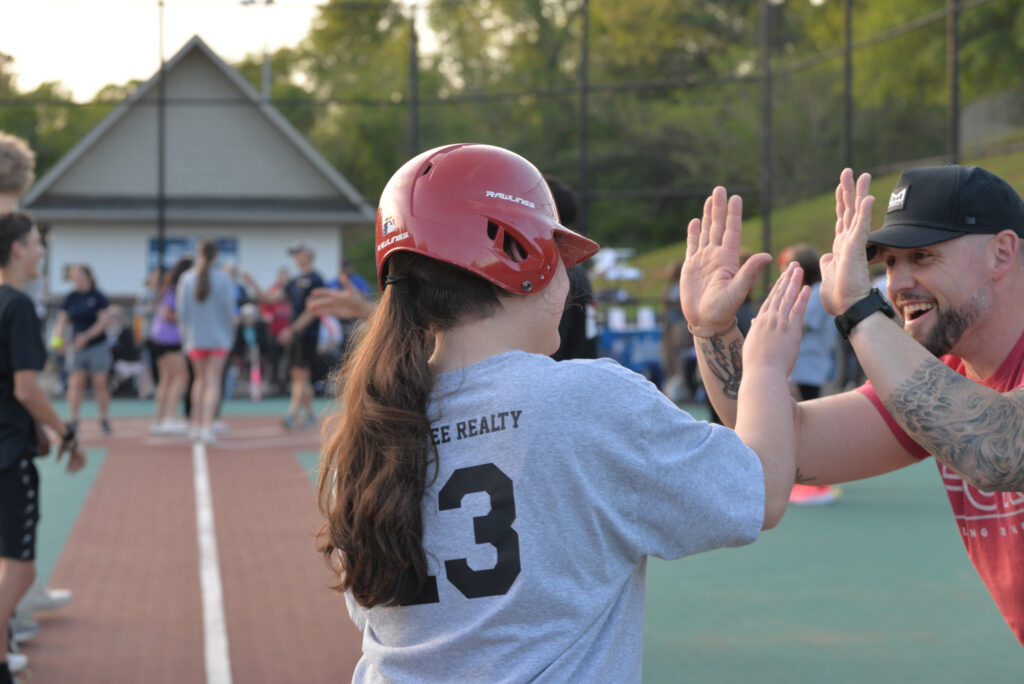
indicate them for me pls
(215, 633)
(256, 444)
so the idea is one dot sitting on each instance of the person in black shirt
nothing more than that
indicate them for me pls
(578, 327)
(88, 311)
(299, 338)
(24, 410)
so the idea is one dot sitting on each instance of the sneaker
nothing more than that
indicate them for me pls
(16, 663)
(105, 426)
(175, 427)
(289, 422)
(41, 599)
(219, 426)
(309, 423)
(807, 495)
(156, 429)
(22, 629)
(208, 437)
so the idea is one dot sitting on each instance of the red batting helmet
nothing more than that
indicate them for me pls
(481, 208)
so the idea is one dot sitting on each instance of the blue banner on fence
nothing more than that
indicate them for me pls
(638, 350)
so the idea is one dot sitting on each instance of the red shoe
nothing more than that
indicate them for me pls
(808, 495)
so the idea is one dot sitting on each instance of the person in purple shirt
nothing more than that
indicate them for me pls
(165, 340)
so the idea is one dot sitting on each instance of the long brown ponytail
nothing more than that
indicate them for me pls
(374, 467)
(207, 257)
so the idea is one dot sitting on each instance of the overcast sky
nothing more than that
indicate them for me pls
(87, 44)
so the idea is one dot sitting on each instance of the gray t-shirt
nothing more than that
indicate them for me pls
(208, 324)
(555, 482)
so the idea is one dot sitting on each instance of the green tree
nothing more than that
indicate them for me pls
(355, 60)
(295, 102)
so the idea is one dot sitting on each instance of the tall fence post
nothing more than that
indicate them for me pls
(584, 180)
(414, 85)
(766, 137)
(847, 153)
(953, 74)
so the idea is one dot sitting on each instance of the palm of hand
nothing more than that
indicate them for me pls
(844, 272)
(704, 289)
(712, 284)
(774, 338)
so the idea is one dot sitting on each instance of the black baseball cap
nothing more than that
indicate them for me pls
(932, 204)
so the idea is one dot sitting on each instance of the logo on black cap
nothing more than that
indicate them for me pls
(898, 199)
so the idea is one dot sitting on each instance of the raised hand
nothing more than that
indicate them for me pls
(774, 337)
(713, 285)
(348, 303)
(844, 272)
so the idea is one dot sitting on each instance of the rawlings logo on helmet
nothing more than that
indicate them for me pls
(510, 198)
(392, 240)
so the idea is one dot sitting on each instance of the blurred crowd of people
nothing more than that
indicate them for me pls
(266, 342)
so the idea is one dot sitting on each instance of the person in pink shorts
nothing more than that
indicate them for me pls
(206, 321)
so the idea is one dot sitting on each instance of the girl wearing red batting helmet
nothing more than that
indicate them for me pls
(488, 510)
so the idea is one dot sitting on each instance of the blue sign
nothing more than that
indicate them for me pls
(637, 350)
(177, 247)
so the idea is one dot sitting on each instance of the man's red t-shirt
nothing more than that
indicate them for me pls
(990, 523)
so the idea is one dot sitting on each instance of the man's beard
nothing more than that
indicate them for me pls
(951, 324)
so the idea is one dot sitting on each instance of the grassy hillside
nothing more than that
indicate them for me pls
(812, 220)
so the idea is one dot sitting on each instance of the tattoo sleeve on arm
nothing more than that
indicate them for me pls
(725, 362)
(973, 430)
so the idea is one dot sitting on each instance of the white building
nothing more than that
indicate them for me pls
(233, 169)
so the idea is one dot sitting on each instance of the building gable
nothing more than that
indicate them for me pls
(227, 154)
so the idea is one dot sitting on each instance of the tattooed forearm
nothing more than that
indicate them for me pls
(974, 430)
(725, 362)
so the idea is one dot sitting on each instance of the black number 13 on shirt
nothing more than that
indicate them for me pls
(495, 528)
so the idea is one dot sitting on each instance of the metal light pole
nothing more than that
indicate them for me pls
(766, 126)
(265, 73)
(161, 150)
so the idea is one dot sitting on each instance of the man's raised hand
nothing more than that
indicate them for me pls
(844, 272)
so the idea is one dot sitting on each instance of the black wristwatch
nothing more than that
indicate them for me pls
(70, 436)
(875, 301)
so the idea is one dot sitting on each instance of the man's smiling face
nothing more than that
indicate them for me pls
(940, 290)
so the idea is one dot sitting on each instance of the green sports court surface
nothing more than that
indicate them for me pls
(876, 588)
